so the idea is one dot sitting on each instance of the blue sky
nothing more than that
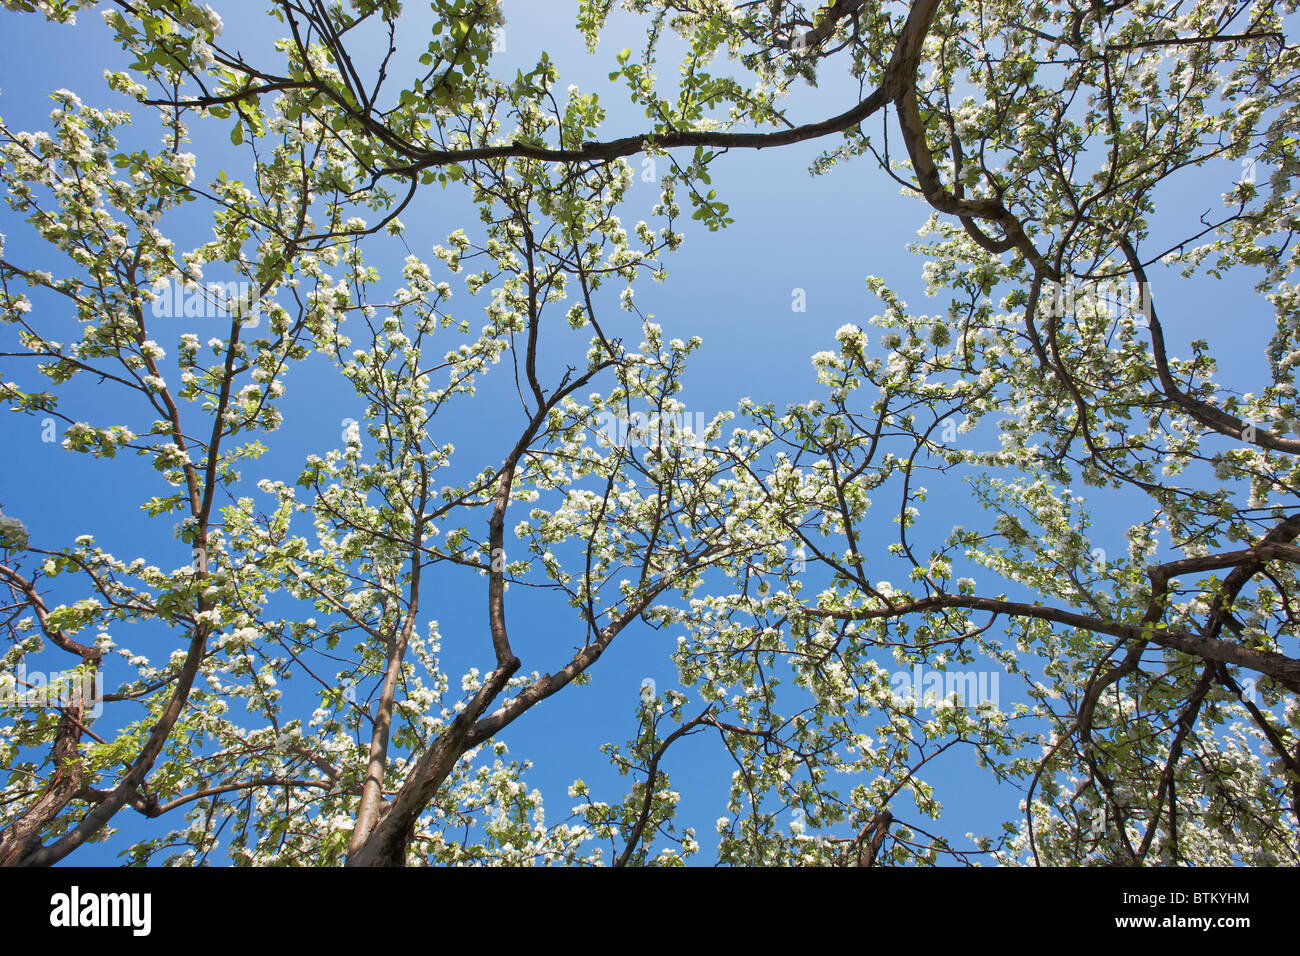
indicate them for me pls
(733, 288)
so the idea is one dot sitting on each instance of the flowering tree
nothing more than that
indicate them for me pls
(299, 711)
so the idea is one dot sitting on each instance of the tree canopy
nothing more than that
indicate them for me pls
(283, 696)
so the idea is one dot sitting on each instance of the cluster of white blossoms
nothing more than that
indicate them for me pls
(13, 533)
